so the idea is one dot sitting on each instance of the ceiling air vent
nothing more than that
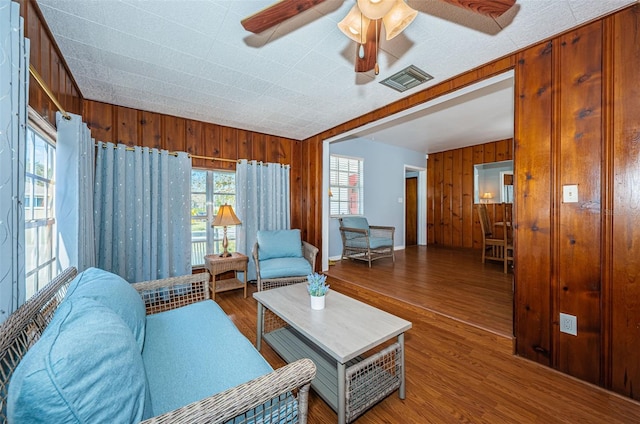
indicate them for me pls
(408, 78)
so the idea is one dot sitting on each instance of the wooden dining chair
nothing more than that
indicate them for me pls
(507, 213)
(493, 247)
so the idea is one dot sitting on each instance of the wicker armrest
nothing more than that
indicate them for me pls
(310, 252)
(382, 231)
(256, 259)
(244, 398)
(359, 231)
(381, 227)
(171, 293)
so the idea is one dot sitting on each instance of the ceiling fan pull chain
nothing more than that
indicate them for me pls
(361, 48)
(376, 69)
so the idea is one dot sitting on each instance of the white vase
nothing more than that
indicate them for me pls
(317, 302)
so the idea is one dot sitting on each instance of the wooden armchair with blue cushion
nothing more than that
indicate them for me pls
(282, 258)
(365, 242)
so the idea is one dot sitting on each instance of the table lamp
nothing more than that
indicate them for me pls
(224, 218)
(487, 196)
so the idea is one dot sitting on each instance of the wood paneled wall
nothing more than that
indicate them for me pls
(578, 122)
(48, 61)
(621, 205)
(118, 124)
(567, 73)
(451, 219)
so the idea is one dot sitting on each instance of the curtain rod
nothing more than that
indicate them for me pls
(48, 92)
(131, 149)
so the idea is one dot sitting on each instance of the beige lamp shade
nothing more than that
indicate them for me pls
(487, 195)
(375, 9)
(225, 216)
(355, 25)
(398, 18)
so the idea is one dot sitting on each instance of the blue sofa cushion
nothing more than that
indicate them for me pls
(359, 222)
(374, 242)
(279, 244)
(284, 267)
(194, 352)
(114, 292)
(86, 368)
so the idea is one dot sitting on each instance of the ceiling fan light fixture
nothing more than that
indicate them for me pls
(398, 18)
(355, 25)
(375, 9)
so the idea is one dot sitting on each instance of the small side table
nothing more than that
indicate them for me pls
(218, 265)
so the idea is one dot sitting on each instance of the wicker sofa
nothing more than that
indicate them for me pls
(95, 348)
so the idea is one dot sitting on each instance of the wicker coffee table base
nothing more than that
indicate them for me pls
(352, 387)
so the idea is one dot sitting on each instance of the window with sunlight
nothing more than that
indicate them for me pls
(346, 185)
(39, 208)
(210, 190)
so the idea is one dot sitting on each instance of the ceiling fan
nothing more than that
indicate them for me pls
(395, 14)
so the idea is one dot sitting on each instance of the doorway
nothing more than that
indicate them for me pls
(411, 211)
(415, 206)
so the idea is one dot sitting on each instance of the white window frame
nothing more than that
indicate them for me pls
(342, 189)
(214, 199)
(38, 270)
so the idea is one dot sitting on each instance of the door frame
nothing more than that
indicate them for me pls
(422, 202)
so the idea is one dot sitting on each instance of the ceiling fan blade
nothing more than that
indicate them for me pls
(491, 8)
(276, 13)
(368, 62)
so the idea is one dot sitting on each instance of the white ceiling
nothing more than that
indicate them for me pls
(193, 59)
(473, 115)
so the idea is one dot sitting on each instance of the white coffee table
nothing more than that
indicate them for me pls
(335, 338)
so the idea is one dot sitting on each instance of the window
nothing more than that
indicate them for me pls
(346, 185)
(39, 208)
(210, 190)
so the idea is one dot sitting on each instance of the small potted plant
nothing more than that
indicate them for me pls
(318, 288)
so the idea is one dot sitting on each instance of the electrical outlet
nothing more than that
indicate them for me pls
(569, 324)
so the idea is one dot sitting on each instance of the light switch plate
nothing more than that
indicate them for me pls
(570, 193)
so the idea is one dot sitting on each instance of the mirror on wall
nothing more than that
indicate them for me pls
(493, 182)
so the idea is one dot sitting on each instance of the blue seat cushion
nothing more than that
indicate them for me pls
(279, 244)
(85, 368)
(284, 267)
(194, 352)
(359, 222)
(374, 242)
(114, 292)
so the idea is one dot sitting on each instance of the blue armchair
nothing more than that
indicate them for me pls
(366, 242)
(282, 258)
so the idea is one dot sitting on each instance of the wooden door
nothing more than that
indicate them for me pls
(411, 212)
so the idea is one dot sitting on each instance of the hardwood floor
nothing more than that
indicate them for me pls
(455, 372)
(453, 282)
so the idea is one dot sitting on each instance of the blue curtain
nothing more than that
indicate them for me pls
(74, 199)
(262, 203)
(14, 90)
(142, 212)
